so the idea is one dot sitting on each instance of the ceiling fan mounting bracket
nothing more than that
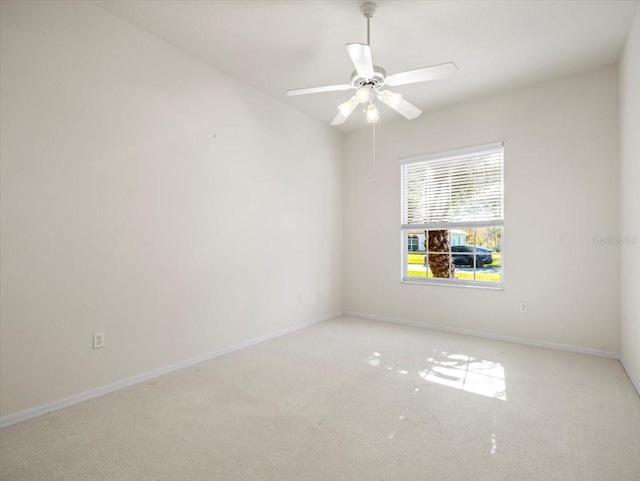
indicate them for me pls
(368, 9)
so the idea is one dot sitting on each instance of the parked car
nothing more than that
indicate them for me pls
(463, 256)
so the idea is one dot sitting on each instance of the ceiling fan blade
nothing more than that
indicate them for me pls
(422, 74)
(361, 57)
(315, 90)
(408, 110)
(339, 119)
(345, 110)
(400, 105)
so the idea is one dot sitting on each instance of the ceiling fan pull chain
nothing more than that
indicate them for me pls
(374, 153)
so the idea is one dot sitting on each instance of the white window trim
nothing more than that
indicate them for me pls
(405, 228)
(452, 154)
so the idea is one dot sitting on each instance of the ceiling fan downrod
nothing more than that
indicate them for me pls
(368, 9)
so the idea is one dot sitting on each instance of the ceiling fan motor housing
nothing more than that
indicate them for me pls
(376, 81)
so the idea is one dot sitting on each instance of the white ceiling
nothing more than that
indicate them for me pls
(497, 45)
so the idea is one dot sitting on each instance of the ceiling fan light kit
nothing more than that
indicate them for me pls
(363, 94)
(368, 80)
(372, 113)
(348, 107)
(391, 99)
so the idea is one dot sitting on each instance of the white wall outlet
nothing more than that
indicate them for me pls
(524, 307)
(299, 297)
(98, 340)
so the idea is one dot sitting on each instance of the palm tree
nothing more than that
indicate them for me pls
(437, 245)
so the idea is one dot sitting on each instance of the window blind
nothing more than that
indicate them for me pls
(461, 187)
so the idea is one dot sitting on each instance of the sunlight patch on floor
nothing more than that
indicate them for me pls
(466, 373)
(459, 371)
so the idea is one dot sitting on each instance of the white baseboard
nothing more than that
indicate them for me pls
(634, 381)
(37, 411)
(34, 412)
(487, 335)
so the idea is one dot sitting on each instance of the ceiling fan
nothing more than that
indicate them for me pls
(369, 81)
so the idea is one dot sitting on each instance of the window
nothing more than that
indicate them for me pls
(412, 244)
(453, 217)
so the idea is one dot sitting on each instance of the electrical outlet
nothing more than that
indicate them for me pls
(299, 297)
(524, 307)
(98, 340)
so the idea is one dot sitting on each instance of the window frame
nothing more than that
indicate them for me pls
(406, 229)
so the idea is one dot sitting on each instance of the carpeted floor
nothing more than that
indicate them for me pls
(350, 399)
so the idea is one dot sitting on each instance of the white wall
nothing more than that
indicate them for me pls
(630, 200)
(561, 189)
(122, 213)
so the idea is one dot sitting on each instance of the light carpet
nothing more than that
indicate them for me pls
(350, 399)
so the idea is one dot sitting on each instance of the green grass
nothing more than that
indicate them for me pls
(466, 276)
(418, 258)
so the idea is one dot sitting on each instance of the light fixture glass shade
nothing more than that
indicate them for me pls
(372, 113)
(391, 99)
(363, 94)
(347, 107)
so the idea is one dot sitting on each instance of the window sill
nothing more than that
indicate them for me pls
(498, 287)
